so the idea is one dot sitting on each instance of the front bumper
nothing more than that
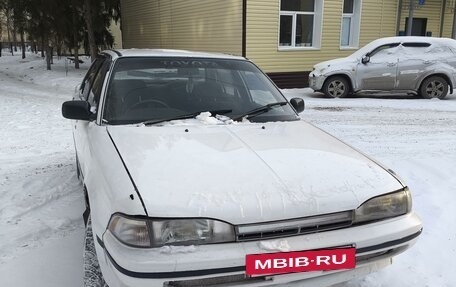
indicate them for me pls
(205, 265)
(316, 81)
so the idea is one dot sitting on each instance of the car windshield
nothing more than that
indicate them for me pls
(149, 89)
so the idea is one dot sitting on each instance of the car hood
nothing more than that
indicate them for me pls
(246, 173)
(340, 62)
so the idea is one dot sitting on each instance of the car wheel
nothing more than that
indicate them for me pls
(434, 87)
(336, 87)
(92, 272)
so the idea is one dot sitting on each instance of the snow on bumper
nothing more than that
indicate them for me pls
(316, 81)
(375, 244)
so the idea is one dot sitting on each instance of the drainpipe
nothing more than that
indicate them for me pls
(442, 17)
(454, 22)
(410, 18)
(244, 28)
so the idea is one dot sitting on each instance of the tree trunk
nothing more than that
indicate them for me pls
(22, 43)
(15, 38)
(8, 28)
(48, 57)
(90, 29)
(42, 49)
(75, 37)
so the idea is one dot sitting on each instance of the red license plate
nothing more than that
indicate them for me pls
(300, 261)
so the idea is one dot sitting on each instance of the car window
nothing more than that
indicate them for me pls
(384, 50)
(416, 45)
(413, 50)
(154, 88)
(95, 92)
(87, 82)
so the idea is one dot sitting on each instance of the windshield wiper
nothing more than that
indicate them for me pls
(185, 116)
(260, 110)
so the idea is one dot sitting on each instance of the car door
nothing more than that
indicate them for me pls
(380, 70)
(414, 58)
(90, 91)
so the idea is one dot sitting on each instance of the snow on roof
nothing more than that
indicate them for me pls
(403, 39)
(168, 53)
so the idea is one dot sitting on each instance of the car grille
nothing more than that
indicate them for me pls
(306, 225)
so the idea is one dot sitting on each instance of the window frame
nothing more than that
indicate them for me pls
(316, 29)
(355, 26)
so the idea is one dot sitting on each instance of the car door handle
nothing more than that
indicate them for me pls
(391, 64)
(426, 62)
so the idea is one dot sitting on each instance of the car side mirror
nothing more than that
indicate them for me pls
(365, 59)
(77, 110)
(297, 104)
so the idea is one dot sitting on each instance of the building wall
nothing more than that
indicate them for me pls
(117, 34)
(378, 19)
(448, 19)
(432, 10)
(204, 25)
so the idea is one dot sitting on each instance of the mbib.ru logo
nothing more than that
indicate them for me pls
(291, 262)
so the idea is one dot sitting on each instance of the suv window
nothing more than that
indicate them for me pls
(383, 48)
(416, 45)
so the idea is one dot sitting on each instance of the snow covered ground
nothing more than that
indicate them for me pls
(41, 229)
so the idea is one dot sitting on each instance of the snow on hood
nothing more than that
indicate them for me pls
(247, 173)
(335, 62)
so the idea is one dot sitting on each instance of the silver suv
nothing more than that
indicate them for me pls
(423, 66)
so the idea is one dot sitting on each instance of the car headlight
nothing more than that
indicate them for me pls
(384, 206)
(149, 232)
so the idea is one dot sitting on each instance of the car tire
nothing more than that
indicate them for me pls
(92, 272)
(336, 87)
(434, 87)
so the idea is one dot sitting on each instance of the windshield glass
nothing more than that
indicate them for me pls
(149, 89)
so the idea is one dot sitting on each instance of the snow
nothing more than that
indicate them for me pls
(41, 228)
(274, 245)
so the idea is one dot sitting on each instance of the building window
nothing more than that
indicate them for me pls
(300, 23)
(349, 35)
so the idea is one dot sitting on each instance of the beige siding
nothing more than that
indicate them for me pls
(448, 20)
(205, 25)
(378, 19)
(431, 10)
(117, 34)
(140, 24)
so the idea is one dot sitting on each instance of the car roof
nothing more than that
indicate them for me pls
(417, 39)
(168, 53)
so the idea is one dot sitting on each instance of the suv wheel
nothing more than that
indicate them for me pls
(434, 87)
(92, 273)
(336, 87)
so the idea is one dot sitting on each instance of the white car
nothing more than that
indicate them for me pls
(422, 66)
(198, 172)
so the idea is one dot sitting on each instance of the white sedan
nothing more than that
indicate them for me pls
(198, 172)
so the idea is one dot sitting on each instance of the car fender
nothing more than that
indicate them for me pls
(107, 181)
(343, 72)
(438, 68)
